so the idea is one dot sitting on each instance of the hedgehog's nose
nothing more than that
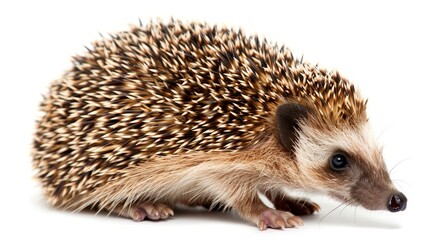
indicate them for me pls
(397, 202)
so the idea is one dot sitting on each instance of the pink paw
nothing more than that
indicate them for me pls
(278, 219)
(142, 211)
(152, 211)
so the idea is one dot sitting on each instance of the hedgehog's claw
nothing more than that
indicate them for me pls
(138, 214)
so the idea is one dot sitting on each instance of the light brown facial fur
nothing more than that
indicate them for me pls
(364, 182)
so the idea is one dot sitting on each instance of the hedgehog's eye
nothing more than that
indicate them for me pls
(339, 162)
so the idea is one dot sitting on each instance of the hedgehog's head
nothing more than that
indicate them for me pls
(338, 159)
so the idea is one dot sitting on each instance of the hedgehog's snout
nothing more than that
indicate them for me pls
(397, 202)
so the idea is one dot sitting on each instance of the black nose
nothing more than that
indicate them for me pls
(397, 202)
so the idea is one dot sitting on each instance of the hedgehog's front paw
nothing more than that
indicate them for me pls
(139, 212)
(271, 218)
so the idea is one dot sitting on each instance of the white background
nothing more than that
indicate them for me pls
(380, 46)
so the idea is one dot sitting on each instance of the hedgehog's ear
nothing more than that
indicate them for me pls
(287, 117)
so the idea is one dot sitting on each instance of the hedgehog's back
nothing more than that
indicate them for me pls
(169, 89)
(155, 91)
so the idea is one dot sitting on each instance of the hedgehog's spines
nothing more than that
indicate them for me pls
(172, 88)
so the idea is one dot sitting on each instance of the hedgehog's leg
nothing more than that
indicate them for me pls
(265, 217)
(140, 211)
(297, 206)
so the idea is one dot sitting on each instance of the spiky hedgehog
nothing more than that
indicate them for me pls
(201, 115)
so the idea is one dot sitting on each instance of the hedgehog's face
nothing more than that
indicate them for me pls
(343, 162)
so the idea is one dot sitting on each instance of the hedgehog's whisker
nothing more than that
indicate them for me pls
(342, 210)
(402, 161)
(355, 214)
(382, 133)
(398, 183)
(401, 181)
(332, 211)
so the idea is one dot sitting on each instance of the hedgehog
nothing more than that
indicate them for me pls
(203, 115)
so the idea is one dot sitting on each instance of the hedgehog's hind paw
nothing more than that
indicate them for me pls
(297, 206)
(142, 211)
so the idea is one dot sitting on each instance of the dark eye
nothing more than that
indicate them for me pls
(339, 162)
